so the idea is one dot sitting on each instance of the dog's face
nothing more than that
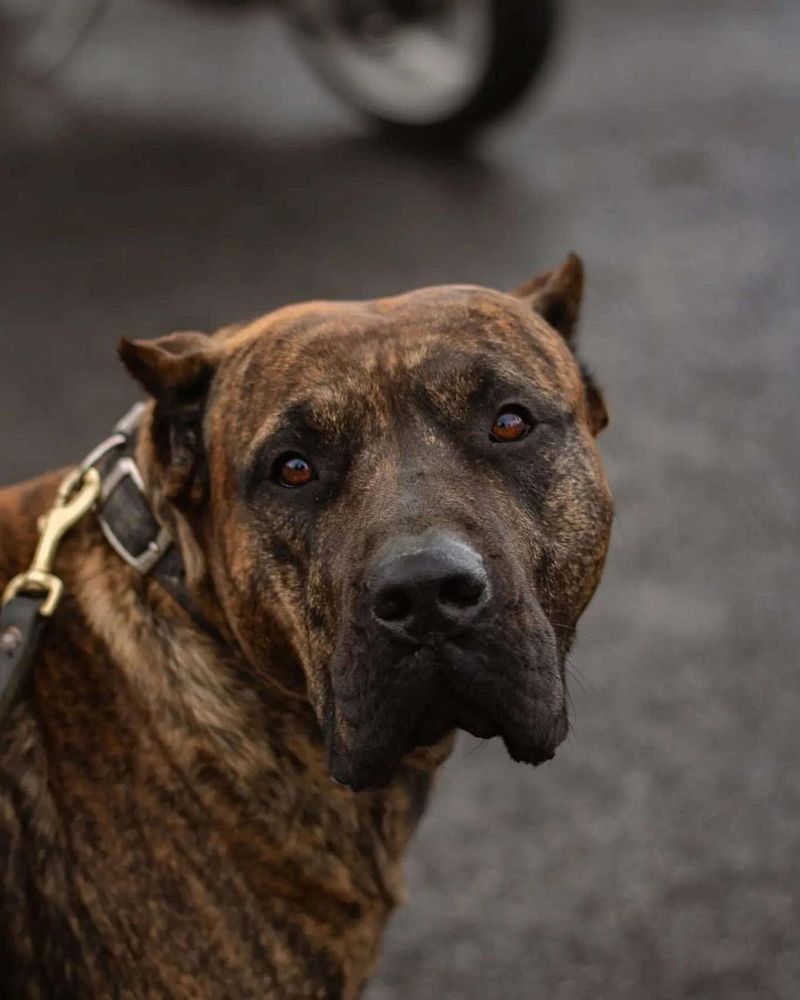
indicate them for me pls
(407, 492)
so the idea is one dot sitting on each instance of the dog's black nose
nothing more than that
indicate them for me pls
(430, 583)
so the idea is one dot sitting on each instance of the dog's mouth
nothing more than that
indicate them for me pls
(452, 713)
(520, 700)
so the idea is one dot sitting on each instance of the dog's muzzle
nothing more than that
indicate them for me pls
(432, 643)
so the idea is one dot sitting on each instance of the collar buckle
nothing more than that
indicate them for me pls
(126, 469)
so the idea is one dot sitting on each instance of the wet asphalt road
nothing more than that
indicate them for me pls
(185, 171)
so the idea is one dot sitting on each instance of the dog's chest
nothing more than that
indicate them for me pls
(176, 881)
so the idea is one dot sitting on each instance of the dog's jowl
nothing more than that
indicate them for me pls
(384, 519)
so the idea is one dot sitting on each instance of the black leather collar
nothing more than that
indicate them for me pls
(125, 515)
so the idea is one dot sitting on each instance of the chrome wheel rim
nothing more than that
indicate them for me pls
(407, 61)
(38, 35)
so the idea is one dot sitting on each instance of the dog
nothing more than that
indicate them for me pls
(389, 516)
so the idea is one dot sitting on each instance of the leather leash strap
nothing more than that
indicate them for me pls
(32, 597)
(21, 627)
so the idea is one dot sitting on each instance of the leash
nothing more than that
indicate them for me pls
(109, 481)
(32, 597)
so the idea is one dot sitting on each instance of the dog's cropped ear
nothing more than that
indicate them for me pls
(556, 296)
(595, 403)
(172, 368)
(176, 371)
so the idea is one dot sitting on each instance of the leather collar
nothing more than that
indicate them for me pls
(125, 515)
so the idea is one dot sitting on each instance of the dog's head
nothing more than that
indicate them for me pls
(405, 494)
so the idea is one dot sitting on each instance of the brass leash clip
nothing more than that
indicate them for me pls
(76, 495)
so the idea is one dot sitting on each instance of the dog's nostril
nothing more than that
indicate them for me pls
(462, 590)
(393, 605)
(427, 585)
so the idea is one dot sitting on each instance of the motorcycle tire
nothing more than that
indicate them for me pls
(516, 38)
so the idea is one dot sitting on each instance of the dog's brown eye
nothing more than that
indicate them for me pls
(510, 424)
(292, 470)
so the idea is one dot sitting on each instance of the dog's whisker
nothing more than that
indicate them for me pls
(579, 632)
(580, 679)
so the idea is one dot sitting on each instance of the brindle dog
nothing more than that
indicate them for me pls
(392, 513)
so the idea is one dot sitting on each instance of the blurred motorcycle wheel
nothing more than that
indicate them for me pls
(37, 36)
(426, 70)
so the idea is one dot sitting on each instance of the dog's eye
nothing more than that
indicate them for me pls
(292, 470)
(511, 424)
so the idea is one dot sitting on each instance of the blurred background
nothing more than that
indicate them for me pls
(184, 169)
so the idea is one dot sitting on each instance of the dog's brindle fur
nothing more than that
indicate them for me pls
(168, 822)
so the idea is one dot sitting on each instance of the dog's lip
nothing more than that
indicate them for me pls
(461, 710)
(374, 781)
(534, 756)
(479, 724)
(473, 718)
(426, 758)
(484, 720)
(468, 693)
(458, 713)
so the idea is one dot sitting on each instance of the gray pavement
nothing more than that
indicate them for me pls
(184, 170)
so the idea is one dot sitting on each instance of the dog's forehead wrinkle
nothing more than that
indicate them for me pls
(349, 343)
